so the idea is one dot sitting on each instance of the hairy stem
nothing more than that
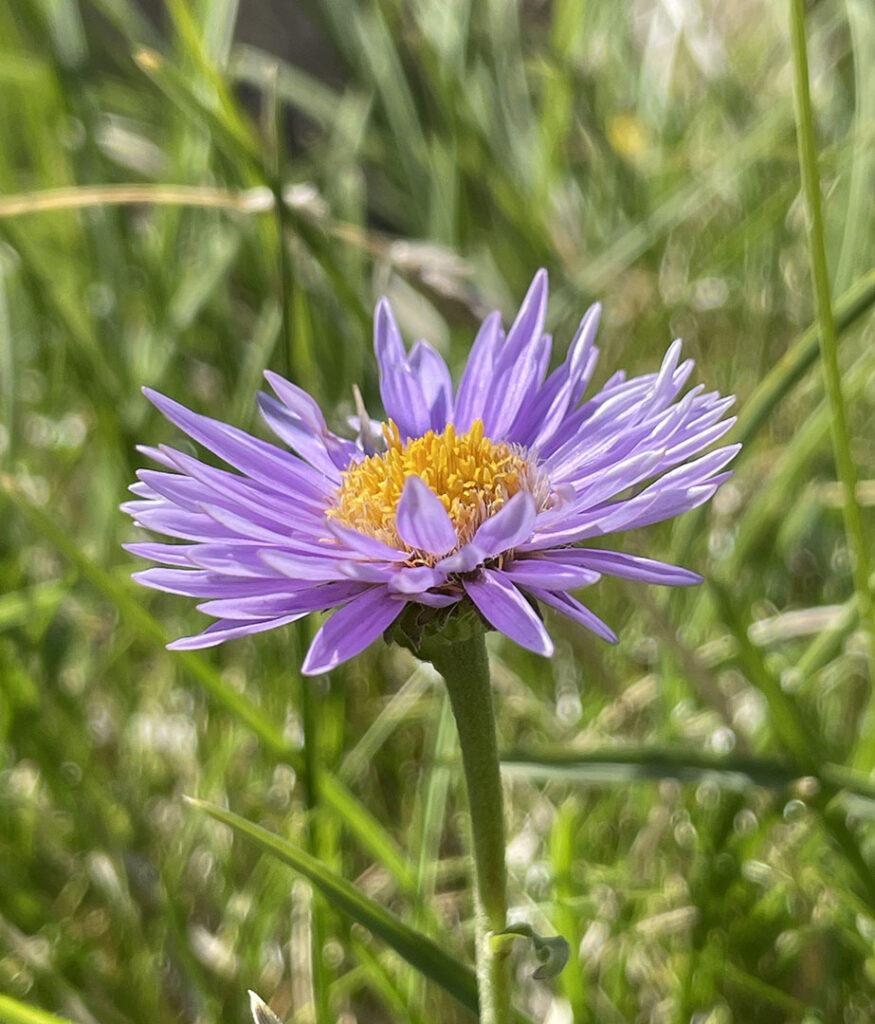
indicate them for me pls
(465, 667)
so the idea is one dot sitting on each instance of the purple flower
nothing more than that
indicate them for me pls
(478, 497)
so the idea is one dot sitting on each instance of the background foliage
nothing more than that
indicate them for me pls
(692, 809)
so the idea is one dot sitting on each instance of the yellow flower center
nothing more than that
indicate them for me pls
(472, 475)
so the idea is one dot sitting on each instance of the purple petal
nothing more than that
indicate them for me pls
(435, 381)
(200, 583)
(174, 522)
(244, 559)
(243, 525)
(422, 521)
(305, 410)
(256, 458)
(306, 512)
(170, 554)
(549, 575)
(304, 567)
(227, 629)
(505, 608)
(367, 572)
(630, 567)
(517, 364)
(510, 526)
(362, 544)
(351, 629)
(404, 401)
(438, 600)
(158, 455)
(267, 605)
(519, 390)
(299, 437)
(388, 345)
(468, 557)
(416, 579)
(529, 322)
(571, 607)
(476, 383)
(191, 495)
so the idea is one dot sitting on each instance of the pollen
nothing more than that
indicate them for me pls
(472, 475)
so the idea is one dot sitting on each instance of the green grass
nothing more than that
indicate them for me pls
(693, 809)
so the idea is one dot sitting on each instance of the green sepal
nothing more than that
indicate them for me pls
(422, 630)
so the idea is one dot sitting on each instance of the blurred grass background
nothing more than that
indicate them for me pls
(194, 191)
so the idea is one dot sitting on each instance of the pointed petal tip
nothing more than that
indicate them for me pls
(421, 519)
(537, 293)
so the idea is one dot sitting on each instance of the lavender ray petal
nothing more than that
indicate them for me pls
(436, 383)
(416, 580)
(528, 325)
(242, 525)
(655, 507)
(422, 521)
(305, 409)
(437, 600)
(362, 544)
(700, 469)
(174, 522)
(477, 379)
(550, 400)
(243, 557)
(298, 436)
(257, 494)
(304, 567)
(236, 560)
(468, 557)
(228, 629)
(351, 629)
(256, 458)
(201, 583)
(190, 495)
(388, 344)
(367, 572)
(605, 482)
(158, 455)
(582, 353)
(510, 526)
(169, 554)
(549, 575)
(505, 608)
(571, 607)
(696, 443)
(267, 605)
(404, 401)
(515, 390)
(671, 377)
(630, 567)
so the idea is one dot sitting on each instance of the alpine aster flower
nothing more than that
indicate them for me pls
(478, 497)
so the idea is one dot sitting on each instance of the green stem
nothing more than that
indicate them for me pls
(465, 667)
(847, 472)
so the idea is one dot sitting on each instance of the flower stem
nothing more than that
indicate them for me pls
(465, 667)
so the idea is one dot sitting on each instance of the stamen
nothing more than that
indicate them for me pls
(472, 475)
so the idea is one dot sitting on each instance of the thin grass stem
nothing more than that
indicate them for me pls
(845, 466)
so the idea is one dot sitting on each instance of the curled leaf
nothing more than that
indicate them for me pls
(552, 951)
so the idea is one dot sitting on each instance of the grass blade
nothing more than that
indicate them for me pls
(417, 949)
(847, 472)
(14, 1012)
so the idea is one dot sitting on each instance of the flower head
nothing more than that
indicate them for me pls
(477, 498)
